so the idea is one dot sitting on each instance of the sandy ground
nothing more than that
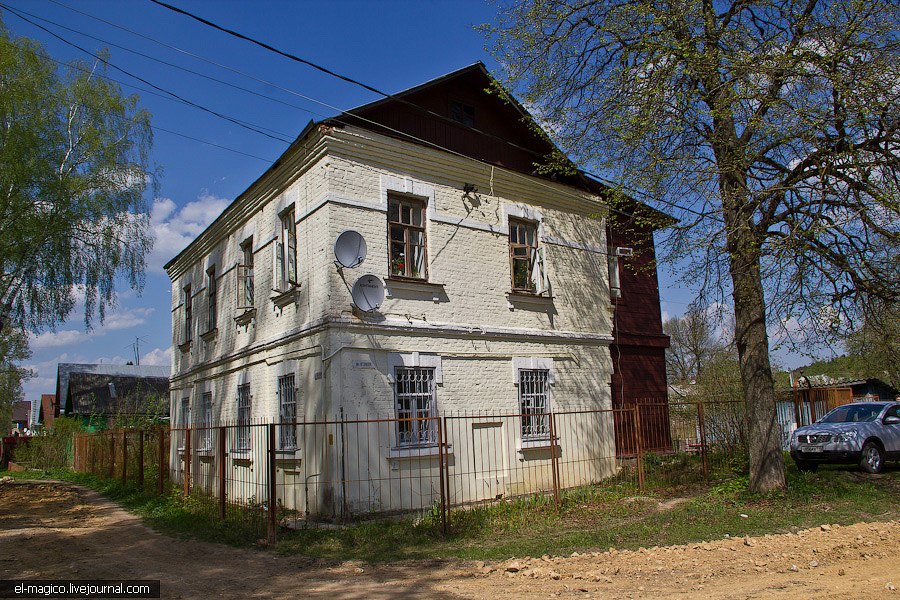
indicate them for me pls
(57, 530)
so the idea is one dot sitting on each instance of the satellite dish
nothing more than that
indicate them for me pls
(368, 293)
(350, 249)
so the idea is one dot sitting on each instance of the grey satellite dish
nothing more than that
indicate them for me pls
(368, 293)
(350, 249)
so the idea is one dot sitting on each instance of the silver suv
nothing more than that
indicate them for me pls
(865, 433)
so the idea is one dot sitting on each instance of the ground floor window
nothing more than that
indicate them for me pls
(206, 424)
(287, 401)
(534, 403)
(243, 417)
(415, 400)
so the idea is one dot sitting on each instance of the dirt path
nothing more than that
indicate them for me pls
(54, 530)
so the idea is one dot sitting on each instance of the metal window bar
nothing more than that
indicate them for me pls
(206, 424)
(287, 401)
(188, 314)
(415, 400)
(211, 291)
(243, 413)
(534, 403)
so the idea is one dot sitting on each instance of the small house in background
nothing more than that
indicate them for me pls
(104, 393)
(47, 411)
(20, 412)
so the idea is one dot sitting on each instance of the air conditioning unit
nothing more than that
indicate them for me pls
(621, 251)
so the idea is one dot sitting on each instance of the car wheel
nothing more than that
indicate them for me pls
(805, 467)
(872, 458)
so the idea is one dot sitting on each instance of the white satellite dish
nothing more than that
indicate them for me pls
(368, 293)
(350, 249)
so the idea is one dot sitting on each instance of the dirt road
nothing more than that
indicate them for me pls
(54, 530)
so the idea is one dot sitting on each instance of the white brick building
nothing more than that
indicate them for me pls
(497, 302)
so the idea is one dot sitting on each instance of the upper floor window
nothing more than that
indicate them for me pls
(243, 416)
(415, 398)
(534, 403)
(211, 291)
(526, 259)
(462, 113)
(285, 276)
(406, 236)
(245, 288)
(188, 314)
(287, 402)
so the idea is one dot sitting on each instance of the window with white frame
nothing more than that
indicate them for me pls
(211, 293)
(415, 400)
(406, 233)
(526, 258)
(287, 402)
(534, 403)
(243, 416)
(206, 424)
(245, 290)
(285, 276)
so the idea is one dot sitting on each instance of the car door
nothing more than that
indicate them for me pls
(892, 432)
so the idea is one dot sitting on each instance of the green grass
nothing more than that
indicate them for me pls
(589, 518)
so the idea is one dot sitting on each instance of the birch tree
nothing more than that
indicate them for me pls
(74, 165)
(769, 128)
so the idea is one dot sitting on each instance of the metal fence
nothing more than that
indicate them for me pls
(268, 476)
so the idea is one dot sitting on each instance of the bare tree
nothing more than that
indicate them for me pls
(770, 128)
(693, 343)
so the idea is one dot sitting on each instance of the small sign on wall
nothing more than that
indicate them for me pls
(363, 364)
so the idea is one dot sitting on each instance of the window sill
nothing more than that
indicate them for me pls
(288, 455)
(282, 298)
(538, 444)
(398, 286)
(185, 347)
(210, 335)
(413, 452)
(527, 299)
(240, 453)
(246, 317)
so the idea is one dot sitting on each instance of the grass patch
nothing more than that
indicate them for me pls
(589, 518)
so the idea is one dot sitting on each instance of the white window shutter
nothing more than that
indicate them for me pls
(539, 271)
(278, 266)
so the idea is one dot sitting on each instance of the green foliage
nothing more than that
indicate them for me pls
(52, 449)
(74, 165)
(13, 349)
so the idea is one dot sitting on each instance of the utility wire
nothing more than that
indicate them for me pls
(365, 86)
(237, 122)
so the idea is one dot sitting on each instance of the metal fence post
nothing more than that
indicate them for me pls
(163, 460)
(638, 445)
(554, 460)
(441, 461)
(124, 457)
(273, 492)
(186, 471)
(220, 463)
(701, 418)
(140, 473)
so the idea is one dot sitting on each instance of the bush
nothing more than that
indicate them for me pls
(51, 449)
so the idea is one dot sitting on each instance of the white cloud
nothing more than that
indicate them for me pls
(127, 319)
(161, 357)
(55, 339)
(175, 228)
(116, 321)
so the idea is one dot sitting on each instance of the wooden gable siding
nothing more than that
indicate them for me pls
(502, 122)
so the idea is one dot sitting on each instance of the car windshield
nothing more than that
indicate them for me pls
(853, 413)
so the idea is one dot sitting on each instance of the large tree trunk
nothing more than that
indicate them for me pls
(766, 458)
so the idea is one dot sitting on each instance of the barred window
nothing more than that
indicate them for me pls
(243, 417)
(206, 424)
(287, 400)
(415, 406)
(186, 412)
(534, 403)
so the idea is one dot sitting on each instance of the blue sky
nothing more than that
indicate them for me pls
(390, 45)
